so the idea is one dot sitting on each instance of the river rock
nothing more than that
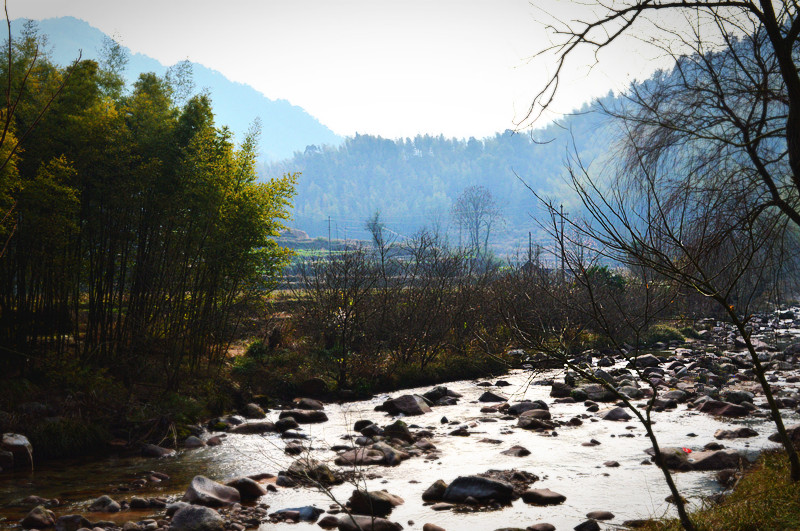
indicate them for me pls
(253, 411)
(225, 422)
(203, 491)
(600, 515)
(739, 433)
(248, 489)
(39, 518)
(307, 513)
(391, 455)
(151, 450)
(398, 430)
(197, 518)
(432, 527)
(329, 522)
(715, 459)
(517, 451)
(435, 492)
(560, 390)
(541, 527)
(542, 497)
(792, 431)
(311, 469)
(481, 489)
(285, 424)
(366, 523)
(308, 403)
(305, 416)
(174, 507)
(374, 503)
(489, 396)
(723, 409)
(20, 447)
(645, 360)
(253, 427)
(672, 457)
(104, 504)
(71, 522)
(360, 457)
(588, 525)
(616, 413)
(408, 405)
(193, 442)
(527, 405)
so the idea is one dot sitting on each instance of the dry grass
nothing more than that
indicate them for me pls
(764, 499)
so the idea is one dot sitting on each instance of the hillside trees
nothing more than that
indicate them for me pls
(141, 228)
(476, 212)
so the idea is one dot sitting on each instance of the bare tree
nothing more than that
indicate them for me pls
(476, 212)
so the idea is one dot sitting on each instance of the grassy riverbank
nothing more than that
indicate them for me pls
(763, 499)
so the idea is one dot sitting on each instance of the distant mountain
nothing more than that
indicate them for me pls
(286, 128)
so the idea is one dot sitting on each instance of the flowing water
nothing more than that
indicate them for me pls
(632, 490)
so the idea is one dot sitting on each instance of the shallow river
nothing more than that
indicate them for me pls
(632, 490)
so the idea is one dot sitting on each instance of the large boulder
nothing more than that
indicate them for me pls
(248, 489)
(305, 416)
(739, 433)
(374, 503)
(481, 489)
(673, 458)
(203, 491)
(398, 430)
(39, 518)
(408, 405)
(723, 409)
(196, 518)
(20, 447)
(715, 460)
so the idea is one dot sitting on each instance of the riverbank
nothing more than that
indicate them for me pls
(763, 498)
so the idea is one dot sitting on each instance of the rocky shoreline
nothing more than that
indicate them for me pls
(709, 376)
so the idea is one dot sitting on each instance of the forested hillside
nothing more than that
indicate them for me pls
(414, 182)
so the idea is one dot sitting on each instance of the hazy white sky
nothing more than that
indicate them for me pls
(390, 67)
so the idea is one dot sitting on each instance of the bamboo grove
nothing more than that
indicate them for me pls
(133, 228)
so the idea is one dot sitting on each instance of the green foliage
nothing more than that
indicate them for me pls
(603, 276)
(137, 230)
(67, 437)
(662, 334)
(688, 331)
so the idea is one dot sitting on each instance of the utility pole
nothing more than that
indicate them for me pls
(329, 237)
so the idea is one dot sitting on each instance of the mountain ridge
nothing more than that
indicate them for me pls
(286, 128)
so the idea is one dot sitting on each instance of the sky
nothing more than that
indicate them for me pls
(394, 68)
